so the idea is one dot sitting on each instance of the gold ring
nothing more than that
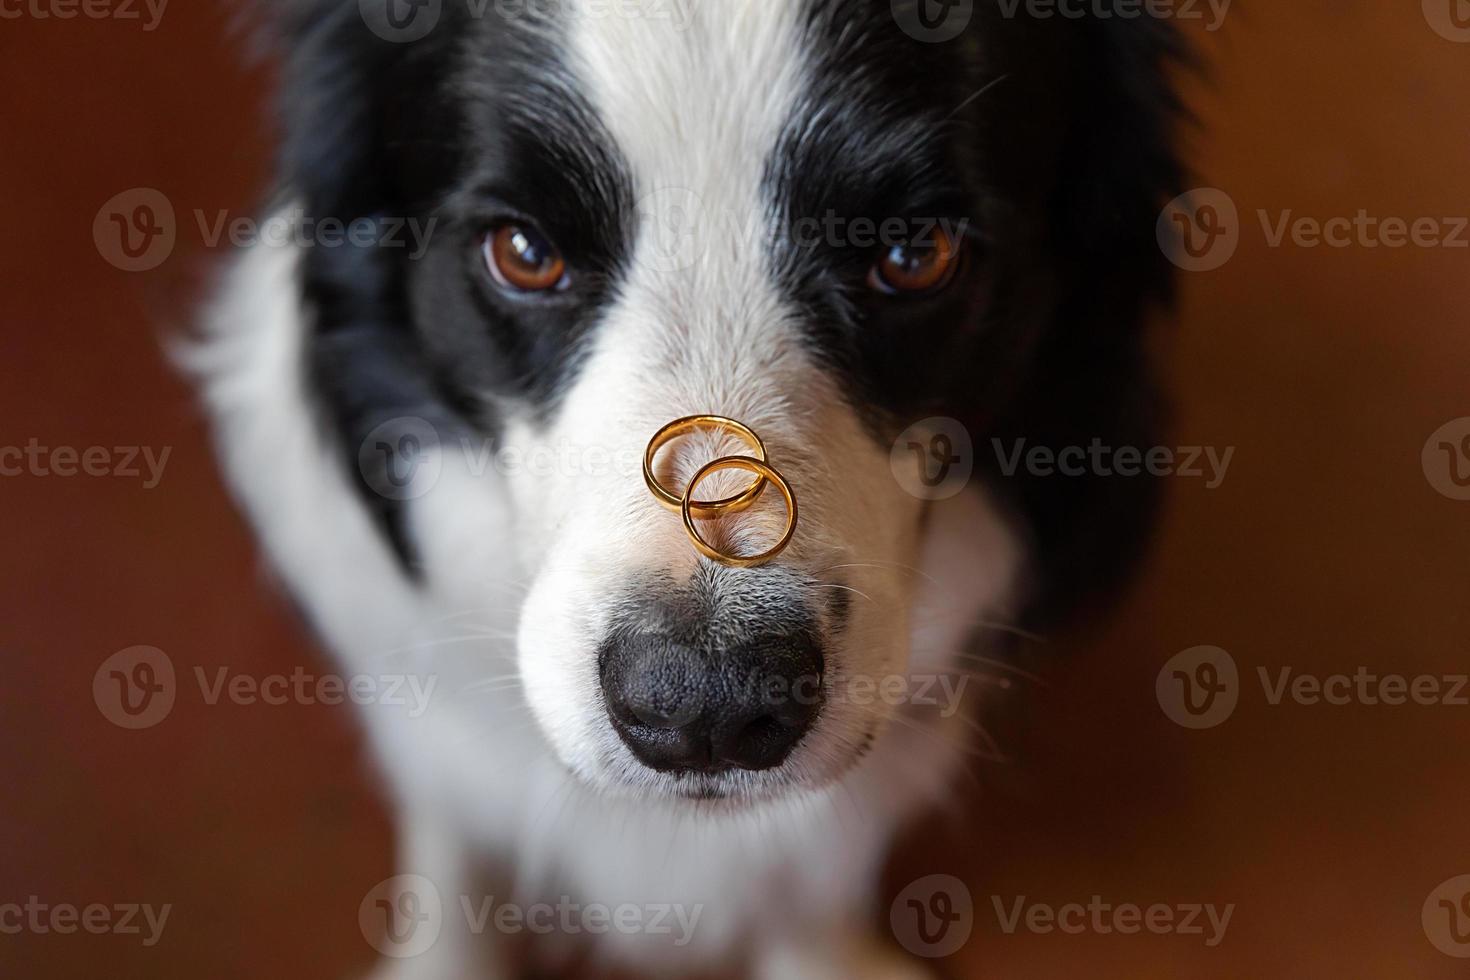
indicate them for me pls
(761, 469)
(703, 509)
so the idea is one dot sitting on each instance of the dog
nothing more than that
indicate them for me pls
(890, 238)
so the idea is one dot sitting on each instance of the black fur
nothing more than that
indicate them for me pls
(1053, 141)
(1059, 168)
(375, 128)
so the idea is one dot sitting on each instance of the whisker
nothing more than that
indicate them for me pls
(847, 588)
(1001, 665)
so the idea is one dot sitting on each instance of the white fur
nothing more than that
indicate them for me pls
(520, 568)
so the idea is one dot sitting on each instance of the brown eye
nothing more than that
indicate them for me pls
(522, 259)
(917, 267)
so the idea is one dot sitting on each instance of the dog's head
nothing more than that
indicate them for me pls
(829, 221)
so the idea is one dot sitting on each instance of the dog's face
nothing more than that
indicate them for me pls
(793, 214)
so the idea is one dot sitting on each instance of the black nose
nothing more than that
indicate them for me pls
(680, 707)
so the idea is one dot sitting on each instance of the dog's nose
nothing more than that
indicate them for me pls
(678, 707)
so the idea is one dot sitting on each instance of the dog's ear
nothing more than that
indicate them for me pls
(1124, 159)
(351, 100)
(358, 126)
(1094, 380)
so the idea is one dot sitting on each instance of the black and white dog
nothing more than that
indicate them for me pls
(831, 220)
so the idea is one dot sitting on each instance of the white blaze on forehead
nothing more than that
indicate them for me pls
(696, 96)
(695, 93)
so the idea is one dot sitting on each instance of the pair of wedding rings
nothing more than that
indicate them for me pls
(693, 509)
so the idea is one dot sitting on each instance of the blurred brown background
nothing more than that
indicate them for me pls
(1326, 549)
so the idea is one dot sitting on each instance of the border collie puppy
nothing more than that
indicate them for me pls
(831, 221)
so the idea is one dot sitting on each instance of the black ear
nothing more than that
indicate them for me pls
(356, 102)
(1123, 140)
(359, 123)
(1092, 378)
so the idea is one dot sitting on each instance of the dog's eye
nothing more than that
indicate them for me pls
(524, 260)
(917, 267)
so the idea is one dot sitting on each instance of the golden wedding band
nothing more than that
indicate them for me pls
(760, 469)
(703, 509)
